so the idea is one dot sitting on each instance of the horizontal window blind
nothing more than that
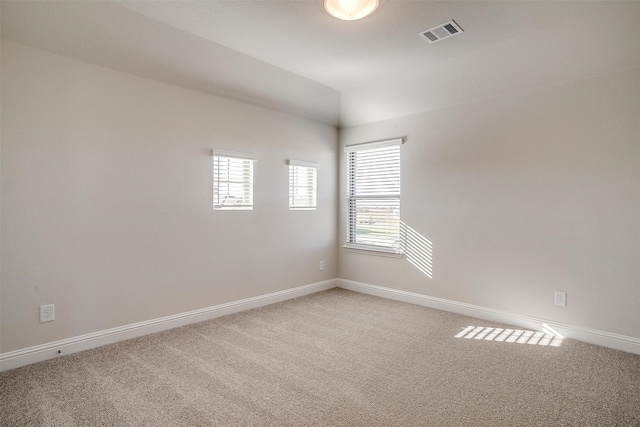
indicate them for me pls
(232, 181)
(374, 195)
(303, 179)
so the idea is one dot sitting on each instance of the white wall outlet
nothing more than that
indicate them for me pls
(561, 298)
(321, 265)
(47, 313)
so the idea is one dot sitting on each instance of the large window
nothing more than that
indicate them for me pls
(373, 196)
(303, 178)
(232, 180)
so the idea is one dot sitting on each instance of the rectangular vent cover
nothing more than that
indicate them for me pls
(441, 32)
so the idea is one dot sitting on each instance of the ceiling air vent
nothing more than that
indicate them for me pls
(441, 32)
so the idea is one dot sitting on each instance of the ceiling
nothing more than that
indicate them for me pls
(293, 57)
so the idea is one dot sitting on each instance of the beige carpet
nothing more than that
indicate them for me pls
(336, 358)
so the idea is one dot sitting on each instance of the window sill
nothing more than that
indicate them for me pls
(372, 250)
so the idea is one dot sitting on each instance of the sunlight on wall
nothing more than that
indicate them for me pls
(418, 249)
(548, 338)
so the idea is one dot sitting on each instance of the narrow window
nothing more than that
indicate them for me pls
(303, 178)
(232, 180)
(373, 196)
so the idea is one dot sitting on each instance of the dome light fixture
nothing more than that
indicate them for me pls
(350, 10)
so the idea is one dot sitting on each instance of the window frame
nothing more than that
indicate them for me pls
(246, 183)
(352, 244)
(310, 184)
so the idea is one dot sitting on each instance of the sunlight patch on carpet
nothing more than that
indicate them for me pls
(548, 337)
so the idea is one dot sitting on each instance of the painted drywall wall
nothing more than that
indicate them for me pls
(519, 196)
(107, 200)
(106, 34)
(552, 54)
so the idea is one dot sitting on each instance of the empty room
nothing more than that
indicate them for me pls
(319, 213)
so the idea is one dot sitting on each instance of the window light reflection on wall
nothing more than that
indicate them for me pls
(417, 249)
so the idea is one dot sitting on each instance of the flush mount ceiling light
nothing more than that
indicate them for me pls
(350, 10)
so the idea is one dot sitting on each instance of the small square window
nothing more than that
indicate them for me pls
(303, 179)
(232, 180)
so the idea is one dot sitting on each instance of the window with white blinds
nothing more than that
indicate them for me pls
(303, 179)
(374, 196)
(232, 180)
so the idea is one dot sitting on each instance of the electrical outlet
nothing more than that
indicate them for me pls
(321, 265)
(561, 298)
(47, 313)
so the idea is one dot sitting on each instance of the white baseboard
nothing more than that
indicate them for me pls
(39, 353)
(592, 336)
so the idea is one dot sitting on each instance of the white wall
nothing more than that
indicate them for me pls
(520, 196)
(107, 200)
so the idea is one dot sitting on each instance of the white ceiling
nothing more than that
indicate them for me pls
(293, 57)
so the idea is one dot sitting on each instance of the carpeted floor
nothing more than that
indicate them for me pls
(335, 358)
